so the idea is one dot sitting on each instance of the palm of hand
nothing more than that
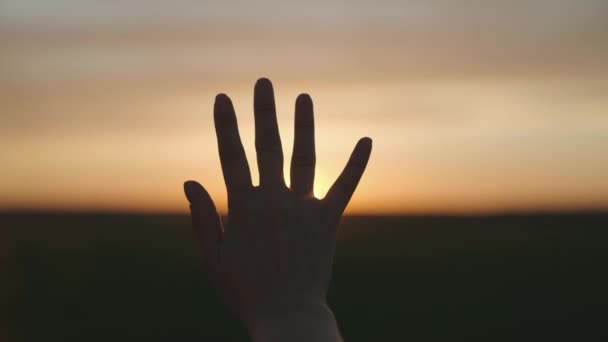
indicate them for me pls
(275, 256)
(276, 251)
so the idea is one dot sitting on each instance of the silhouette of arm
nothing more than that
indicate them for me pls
(272, 262)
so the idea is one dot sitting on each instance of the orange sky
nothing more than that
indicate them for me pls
(473, 106)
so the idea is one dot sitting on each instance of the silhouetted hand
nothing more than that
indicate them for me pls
(272, 263)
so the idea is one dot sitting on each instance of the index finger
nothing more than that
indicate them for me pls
(235, 168)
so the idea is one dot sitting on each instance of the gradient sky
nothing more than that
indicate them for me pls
(474, 106)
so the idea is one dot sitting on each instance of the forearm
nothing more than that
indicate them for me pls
(311, 323)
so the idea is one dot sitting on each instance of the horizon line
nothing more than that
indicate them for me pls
(489, 213)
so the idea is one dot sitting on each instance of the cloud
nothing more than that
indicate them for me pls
(517, 14)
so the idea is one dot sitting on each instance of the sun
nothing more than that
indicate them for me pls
(321, 185)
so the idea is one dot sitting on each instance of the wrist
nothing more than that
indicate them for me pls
(309, 322)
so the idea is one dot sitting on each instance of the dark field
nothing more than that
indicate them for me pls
(139, 278)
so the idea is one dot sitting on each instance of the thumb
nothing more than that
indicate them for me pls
(205, 221)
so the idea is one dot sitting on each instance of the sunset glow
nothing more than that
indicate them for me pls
(471, 108)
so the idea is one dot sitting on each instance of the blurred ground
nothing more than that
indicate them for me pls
(139, 278)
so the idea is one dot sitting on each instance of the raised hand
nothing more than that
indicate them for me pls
(272, 261)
